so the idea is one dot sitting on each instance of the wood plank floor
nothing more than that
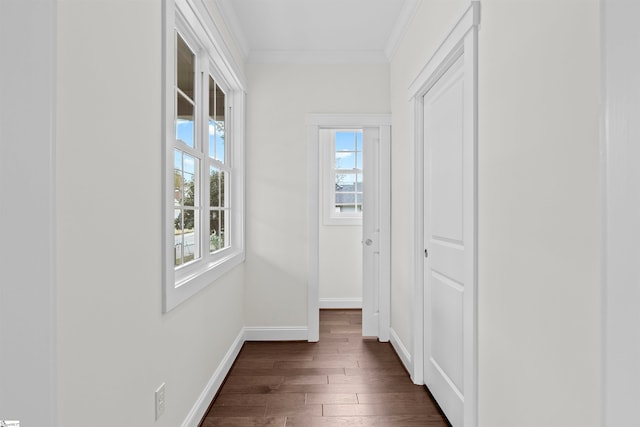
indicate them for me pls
(343, 380)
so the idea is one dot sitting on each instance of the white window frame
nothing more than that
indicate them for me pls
(192, 21)
(327, 165)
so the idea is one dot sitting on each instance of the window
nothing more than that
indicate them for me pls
(342, 176)
(203, 141)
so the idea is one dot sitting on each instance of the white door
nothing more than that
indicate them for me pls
(446, 209)
(371, 233)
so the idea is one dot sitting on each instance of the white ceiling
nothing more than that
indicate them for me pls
(317, 30)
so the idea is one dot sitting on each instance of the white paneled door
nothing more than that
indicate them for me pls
(371, 233)
(376, 237)
(445, 240)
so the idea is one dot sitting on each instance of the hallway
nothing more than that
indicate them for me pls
(343, 380)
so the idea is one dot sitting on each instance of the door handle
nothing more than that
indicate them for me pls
(368, 242)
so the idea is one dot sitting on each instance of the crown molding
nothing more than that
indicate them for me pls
(317, 57)
(409, 10)
(233, 25)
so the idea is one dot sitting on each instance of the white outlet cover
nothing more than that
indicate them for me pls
(160, 401)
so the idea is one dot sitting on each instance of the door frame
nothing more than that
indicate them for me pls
(314, 123)
(620, 250)
(462, 41)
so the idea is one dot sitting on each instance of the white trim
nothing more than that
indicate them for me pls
(417, 374)
(446, 53)
(620, 194)
(192, 285)
(348, 120)
(314, 123)
(276, 333)
(400, 349)
(313, 232)
(461, 41)
(409, 10)
(233, 25)
(384, 237)
(222, 52)
(345, 303)
(199, 409)
(317, 57)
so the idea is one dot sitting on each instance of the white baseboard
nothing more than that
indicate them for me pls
(276, 333)
(401, 350)
(340, 302)
(204, 400)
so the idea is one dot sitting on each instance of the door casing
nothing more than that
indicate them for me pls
(461, 42)
(314, 123)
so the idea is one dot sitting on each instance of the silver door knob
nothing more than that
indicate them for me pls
(368, 242)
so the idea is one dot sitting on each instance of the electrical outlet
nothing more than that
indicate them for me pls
(160, 401)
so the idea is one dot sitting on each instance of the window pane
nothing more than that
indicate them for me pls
(223, 187)
(189, 164)
(345, 182)
(220, 124)
(216, 121)
(217, 227)
(190, 243)
(359, 160)
(359, 140)
(186, 246)
(223, 228)
(345, 199)
(188, 189)
(177, 177)
(178, 233)
(184, 121)
(189, 180)
(345, 160)
(212, 138)
(220, 140)
(185, 179)
(359, 183)
(185, 67)
(345, 141)
(214, 187)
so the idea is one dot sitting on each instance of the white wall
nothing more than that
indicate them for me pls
(539, 205)
(432, 22)
(340, 263)
(279, 98)
(540, 223)
(115, 346)
(622, 293)
(27, 259)
(339, 246)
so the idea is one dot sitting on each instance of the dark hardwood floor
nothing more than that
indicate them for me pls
(343, 380)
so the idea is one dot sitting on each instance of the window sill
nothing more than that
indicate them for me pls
(199, 279)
